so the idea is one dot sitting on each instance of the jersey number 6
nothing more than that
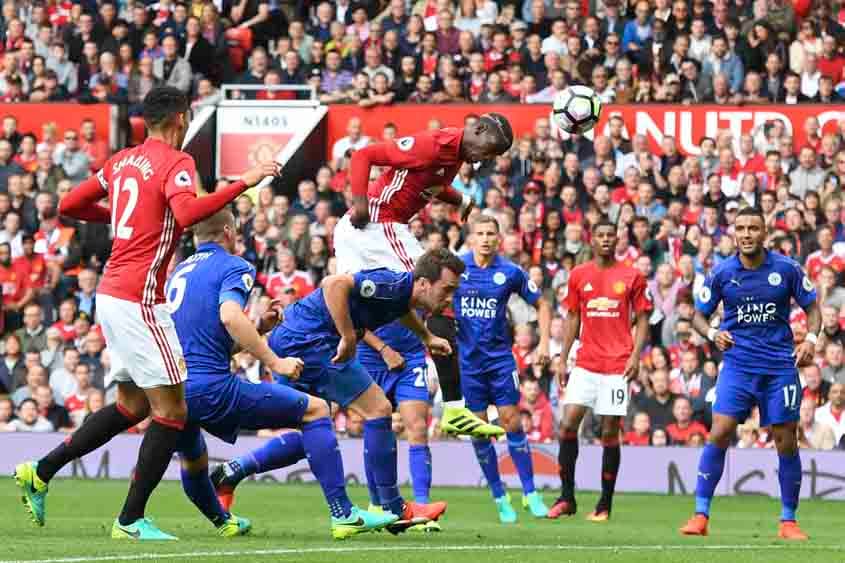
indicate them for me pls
(175, 291)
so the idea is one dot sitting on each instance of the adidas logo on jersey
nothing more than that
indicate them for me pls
(588, 287)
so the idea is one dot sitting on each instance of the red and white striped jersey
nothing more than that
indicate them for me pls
(140, 182)
(816, 261)
(418, 164)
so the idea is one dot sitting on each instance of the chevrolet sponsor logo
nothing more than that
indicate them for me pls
(602, 304)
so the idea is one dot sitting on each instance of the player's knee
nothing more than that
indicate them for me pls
(176, 410)
(510, 420)
(380, 409)
(416, 430)
(317, 409)
(196, 465)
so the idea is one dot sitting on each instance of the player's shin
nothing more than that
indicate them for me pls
(157, 447)
(419, 457)
(520, 453)
(372, 488)
(489, 462)
(789, 477)
(567, 457)
(280, 451)
(710, 468)
(610, 461)
(380, 455)
(197, 486)
(100, 427)
(448, 369)
(324, 458)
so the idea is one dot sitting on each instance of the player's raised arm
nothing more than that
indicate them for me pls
(83, 202)
(336, 290)
(188, 208)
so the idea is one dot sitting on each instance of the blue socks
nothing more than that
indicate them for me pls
(789, 476)
(276, 453)
(371, 484)
(419, 457)
(380, 458)
(486, 455)
(521, 456)
(326, 464)
(710, 468)
(198, 488)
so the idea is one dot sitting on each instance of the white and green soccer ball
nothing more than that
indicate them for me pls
(576, 110)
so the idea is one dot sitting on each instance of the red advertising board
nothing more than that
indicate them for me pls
(688, 124)
(31, 117)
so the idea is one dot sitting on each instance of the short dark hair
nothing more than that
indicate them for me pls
(162, 103)
(604, 221)
(501, 128)
(431, 264)
(751, 212)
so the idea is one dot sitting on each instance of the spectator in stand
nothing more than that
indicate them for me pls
(640, 432)
(812, 434)
(833, 370)
(535, 402)
(75, 163)
(172, 69)
(288, 276)
(32, 336)
(683, 426)
(55, 414)
(658, 405)
(7, 414)
(28, 419)
(36, 376)
(815, 388)
(830, 413)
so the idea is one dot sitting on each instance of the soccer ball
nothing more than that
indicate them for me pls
(576, 110)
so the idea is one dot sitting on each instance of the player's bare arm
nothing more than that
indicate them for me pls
(391, 357)
(722, 338)
(436, 345)
(189, 208)
(632, 367)
(244, 333)
(544, 319)
(805, 351)
(571, 330)
(336, 290)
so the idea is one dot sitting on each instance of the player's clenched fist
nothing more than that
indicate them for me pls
(289, 367)
(360, 213)
(438, 346)
(392, 358)
(804, 353)
(723, 340)
(257, 173)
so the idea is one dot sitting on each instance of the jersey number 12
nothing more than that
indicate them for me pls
(130, 185)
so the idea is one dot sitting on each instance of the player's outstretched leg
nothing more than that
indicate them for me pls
(789, 477)
(380, 458)
(415, 419)
(280, 451)
(167, 405)
(33, 477)
(457, 419)
(198, 488)
(610, 461)
(485, 453)
(710, 468)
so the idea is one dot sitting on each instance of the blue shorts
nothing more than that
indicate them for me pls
(407, 384)
(498, 387)
(240, 406)
(778, 396)
(339, 383)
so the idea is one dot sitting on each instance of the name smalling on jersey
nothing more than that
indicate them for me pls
(139, 161)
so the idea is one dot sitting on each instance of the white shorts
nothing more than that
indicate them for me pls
(142, 342)
(378, 245)
(606, 394)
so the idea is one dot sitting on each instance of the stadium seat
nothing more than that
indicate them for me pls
(240, 44)
(137, 131)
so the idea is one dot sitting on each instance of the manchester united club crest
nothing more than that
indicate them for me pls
(264, 149)
(183, 369)
(619, 287)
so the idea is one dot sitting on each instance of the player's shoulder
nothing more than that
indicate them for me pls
(781, 262)
(234, 262)
(725, 266)
(467, 258)
(383, 274)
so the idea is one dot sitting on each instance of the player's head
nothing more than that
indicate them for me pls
(436, 277)
(750, 231)
(485, 235)
(166, 114)
(219, 228)
(487, 138)
(604, 238)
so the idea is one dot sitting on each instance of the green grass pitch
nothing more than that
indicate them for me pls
(291, 524)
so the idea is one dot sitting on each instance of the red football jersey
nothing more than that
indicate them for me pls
(140, 181)
(606, 300)
(816, 261)
(416, 164)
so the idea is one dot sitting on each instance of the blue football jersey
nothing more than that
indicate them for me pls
(398, 337)
(480, 306)
(378, 297)
(757, 304)
(194, 292)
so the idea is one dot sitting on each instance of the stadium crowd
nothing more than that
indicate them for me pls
(675, 212)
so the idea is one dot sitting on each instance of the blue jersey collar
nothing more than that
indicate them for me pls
(767, 261)
(493, 263)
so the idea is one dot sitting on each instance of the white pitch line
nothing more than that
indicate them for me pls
(444, 548)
